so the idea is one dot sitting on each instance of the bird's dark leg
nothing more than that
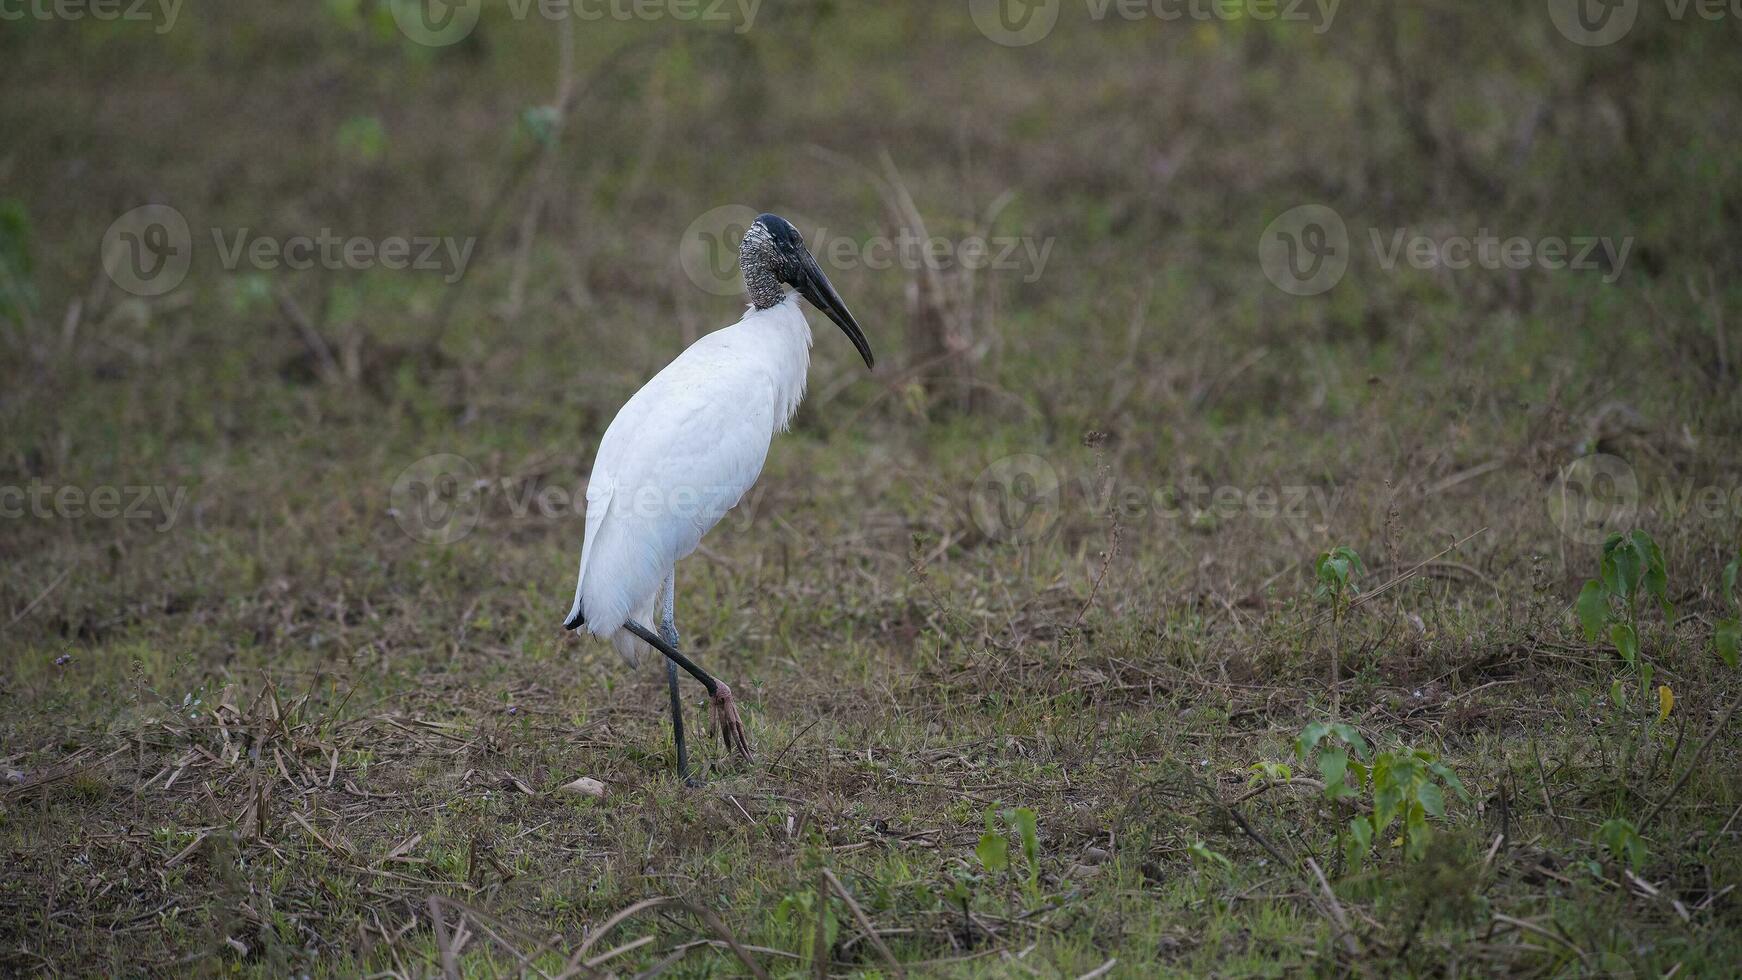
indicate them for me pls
(724, 709)
(668, 633)
(683, 762)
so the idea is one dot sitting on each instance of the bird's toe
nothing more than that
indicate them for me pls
(727, 724)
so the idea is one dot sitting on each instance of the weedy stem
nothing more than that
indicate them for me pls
(1337, 664)
(1692, 764)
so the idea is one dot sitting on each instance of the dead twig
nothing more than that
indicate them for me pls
(326, 365)
(864, 922)
(1692, 763)
(58, 579)
(546, 164)
(1340, 920)
(1537, 930)
(1542, 786)
(577, 959)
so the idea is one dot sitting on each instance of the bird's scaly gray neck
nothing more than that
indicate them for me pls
(766, 292)
(758, 258)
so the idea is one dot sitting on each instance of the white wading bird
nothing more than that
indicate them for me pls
(685, 449)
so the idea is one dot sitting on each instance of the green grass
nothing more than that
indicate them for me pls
(282, 736)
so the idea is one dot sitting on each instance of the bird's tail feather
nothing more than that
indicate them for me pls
(629, 646)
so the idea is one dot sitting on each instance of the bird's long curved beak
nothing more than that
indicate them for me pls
(816, 288)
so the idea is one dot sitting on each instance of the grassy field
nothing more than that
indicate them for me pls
(1027, 624)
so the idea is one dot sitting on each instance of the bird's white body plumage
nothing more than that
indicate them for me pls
(680, 454)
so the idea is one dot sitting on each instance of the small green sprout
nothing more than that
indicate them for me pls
(1335, 571)
(1209, 859)
(993, 850)
(1622, 839)
(1727, 635)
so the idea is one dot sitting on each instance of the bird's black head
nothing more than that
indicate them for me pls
(774, 256)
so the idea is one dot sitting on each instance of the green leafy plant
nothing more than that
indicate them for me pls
(1335, 572)
(961, 890)
(539, 122)
(1631, 568)
(347, 14)
(1208, 858)
(1621, 838)
(17, 291)
(1402, 784)
(797, 914)
(960, 895)
(1333, 760)
(1409, 785)
(363, 137)
(1633, 726)
(993, 851)
(1727, 635)
(1265, 771)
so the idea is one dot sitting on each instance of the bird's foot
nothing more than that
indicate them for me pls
(723, 712)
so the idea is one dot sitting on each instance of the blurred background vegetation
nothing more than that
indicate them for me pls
(1149, 155)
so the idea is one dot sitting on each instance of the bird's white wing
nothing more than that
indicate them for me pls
(599, 490)
(680, 454)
